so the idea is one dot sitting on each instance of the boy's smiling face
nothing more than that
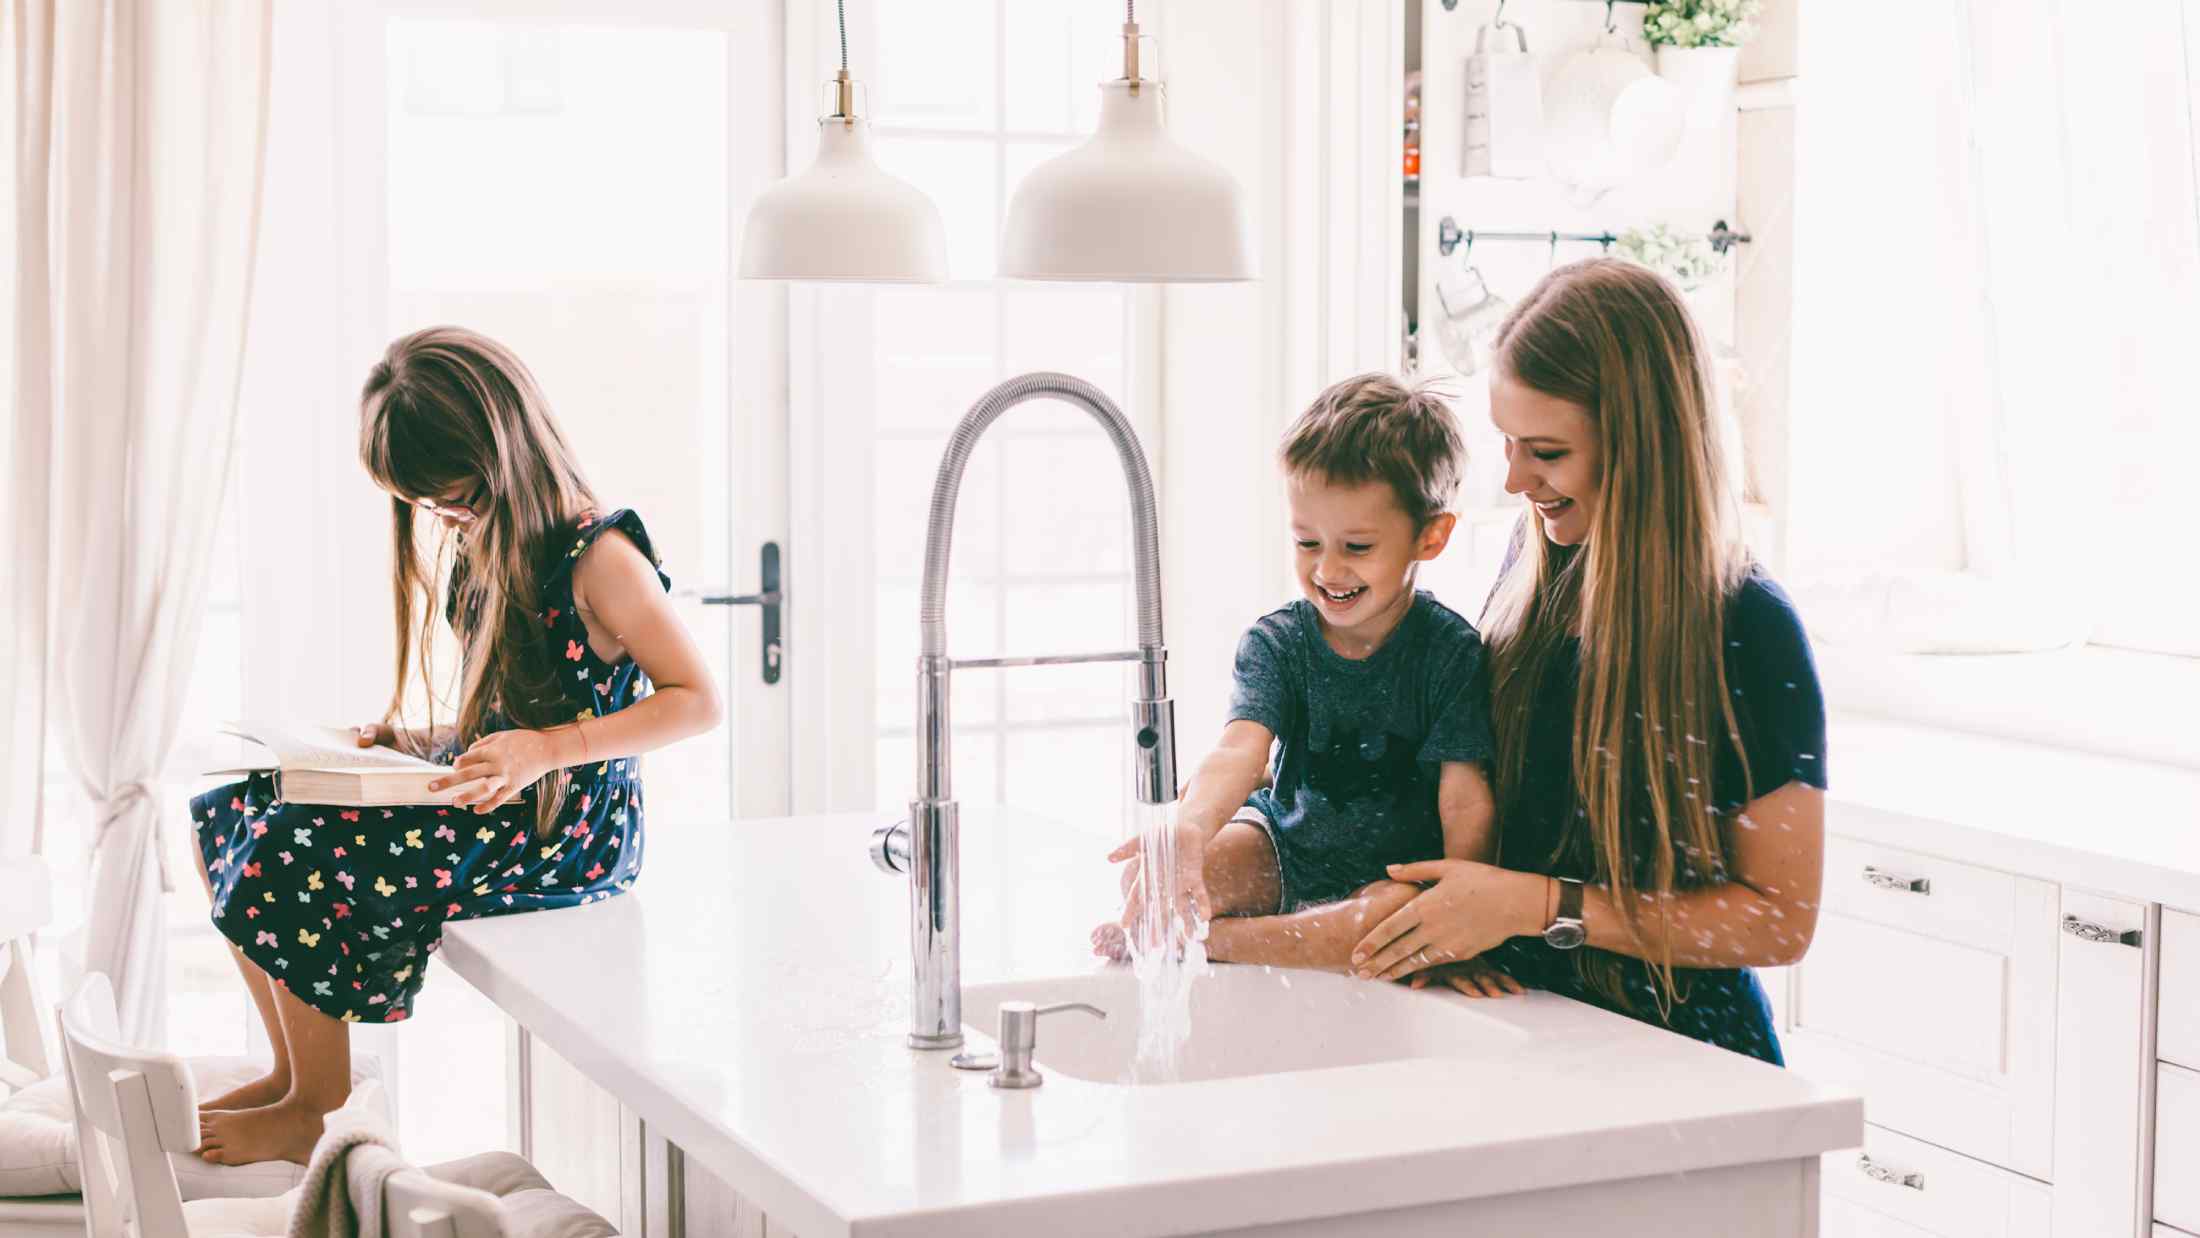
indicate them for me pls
(1356, 551)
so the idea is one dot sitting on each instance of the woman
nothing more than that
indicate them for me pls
(1660, 731)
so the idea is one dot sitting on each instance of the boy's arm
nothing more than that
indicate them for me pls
(1468, 810)
(1323, 937)
(1237, 766)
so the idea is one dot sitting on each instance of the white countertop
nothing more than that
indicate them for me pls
(2113, 826)
(748, 1000)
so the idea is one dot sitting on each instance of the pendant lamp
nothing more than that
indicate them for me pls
(844, 219)
(1129, 205)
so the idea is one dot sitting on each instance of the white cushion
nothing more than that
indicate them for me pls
(239, 1218)
(38, 1139)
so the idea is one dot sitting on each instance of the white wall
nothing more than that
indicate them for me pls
(1295, 98)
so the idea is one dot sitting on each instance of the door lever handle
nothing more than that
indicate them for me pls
(770, 599)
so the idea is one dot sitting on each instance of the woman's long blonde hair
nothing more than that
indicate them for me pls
(1645, 592)
(447, 407)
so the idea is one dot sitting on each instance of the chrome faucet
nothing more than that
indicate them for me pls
(926, 846)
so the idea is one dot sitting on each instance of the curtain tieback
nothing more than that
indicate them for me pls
(118, 805)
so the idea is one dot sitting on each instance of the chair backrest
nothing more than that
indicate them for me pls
(26, 905)
(133, 1108)
(419, 1206)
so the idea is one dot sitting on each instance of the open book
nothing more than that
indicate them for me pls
(326, 765)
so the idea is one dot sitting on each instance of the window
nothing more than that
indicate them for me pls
(968, 103)
(1999, 264)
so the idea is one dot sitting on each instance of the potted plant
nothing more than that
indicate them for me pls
(1699, 46)
(1686, 259)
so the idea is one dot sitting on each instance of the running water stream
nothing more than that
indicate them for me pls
(1168, 951)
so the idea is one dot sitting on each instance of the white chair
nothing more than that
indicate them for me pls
(424, 1207)
(133, 1108)
(488, 1195)
(26, 905)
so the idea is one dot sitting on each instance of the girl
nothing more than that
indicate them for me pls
(1660, 732)
(563, 625)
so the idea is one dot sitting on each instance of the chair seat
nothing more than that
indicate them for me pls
(38, 1156)
(43, 1216)
(239, 1218)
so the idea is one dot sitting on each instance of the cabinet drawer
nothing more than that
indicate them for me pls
(1898, 1185)
(1930, 988)
(2177, 1146)
(2178, 1032)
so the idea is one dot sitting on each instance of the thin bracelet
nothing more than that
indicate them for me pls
(1550, 898)
(580, 728)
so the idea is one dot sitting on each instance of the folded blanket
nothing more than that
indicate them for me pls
(341, 1196)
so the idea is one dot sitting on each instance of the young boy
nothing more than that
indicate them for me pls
(1373, 697)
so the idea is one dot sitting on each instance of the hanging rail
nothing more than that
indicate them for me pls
(1448, 237)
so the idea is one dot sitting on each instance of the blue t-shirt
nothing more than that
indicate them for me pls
(1778, 708)
(1360, 742)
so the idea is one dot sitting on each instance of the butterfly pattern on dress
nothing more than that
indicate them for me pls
(342, 907)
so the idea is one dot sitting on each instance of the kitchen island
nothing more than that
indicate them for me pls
(747, 1003)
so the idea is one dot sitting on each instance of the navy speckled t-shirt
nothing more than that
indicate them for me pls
(1360, 743)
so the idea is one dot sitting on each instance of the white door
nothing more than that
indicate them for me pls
(569, 177)
(965, 98)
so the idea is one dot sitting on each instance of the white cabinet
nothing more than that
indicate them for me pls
(1902, 1186)
(1930, 988)
(2177, 1146)
(1999, 1027)
(2179, 1007)
(2102, 1067)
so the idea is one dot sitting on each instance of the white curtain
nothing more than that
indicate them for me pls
(142, 131)
(1997, 280)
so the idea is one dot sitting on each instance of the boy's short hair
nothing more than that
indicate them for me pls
(1371, 427)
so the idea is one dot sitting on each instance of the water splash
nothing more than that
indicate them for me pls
(1168, 950)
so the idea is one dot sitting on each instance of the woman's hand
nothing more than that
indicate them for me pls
(1475, 978)
(375, 735)
(1192, 908)
(1470, 908)
(498, 768)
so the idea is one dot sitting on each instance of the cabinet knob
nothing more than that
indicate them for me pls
(1892, 1177)
(2086, 930)
(1895, 881)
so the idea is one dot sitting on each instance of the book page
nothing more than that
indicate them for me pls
(324, 747)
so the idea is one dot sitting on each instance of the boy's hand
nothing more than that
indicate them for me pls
(1475, 978)
(1191, 909)
(497, 769)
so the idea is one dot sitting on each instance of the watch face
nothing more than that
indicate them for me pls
(1565, 936)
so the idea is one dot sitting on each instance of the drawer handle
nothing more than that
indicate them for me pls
(1893, 881)
(2086, 930)
(1892, 1177)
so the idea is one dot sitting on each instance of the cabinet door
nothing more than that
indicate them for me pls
(1930, 988)
(1904, 1187)
(2102, 1066)
(2177, 1146)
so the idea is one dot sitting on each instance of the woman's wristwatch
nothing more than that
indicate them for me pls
(1566, 931)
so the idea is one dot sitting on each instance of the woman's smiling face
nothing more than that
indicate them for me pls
(1551, 456)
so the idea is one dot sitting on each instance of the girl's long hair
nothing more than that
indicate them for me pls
(446, 407)
(1645, 592)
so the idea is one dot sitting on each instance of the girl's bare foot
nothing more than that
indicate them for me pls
(285, 1131)
(265, 1090)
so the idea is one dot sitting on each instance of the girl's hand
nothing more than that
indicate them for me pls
(1470, 908)
(1192, 908)
(375, 735)
(1475, 978)
(497, 769)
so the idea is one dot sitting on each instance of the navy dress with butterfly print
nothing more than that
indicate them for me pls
(344, 906)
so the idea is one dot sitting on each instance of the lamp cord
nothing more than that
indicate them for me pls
(843, 8)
